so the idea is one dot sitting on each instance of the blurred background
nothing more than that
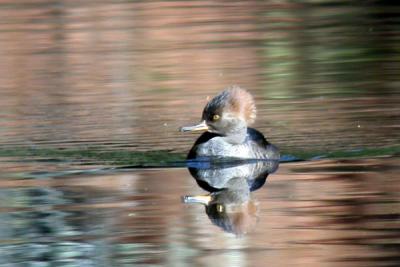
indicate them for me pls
(127, 74)
(118, 78)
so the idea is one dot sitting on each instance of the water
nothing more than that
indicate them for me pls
(88, 88)
(324, 76)
(322, 213)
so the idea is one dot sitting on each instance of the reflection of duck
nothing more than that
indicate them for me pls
(230, 205)
(215, 177)
(231, 208)
(225, 118)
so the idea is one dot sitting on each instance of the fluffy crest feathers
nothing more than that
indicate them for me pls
(234, 100)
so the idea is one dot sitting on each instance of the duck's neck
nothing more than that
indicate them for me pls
(236, 137)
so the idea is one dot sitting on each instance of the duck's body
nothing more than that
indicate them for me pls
(226, 118)
(254, 146)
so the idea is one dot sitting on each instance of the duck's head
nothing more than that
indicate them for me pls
(227, 113)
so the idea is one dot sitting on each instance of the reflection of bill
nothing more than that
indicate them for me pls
(230, 204)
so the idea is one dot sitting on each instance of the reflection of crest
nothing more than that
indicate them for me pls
(229, 204)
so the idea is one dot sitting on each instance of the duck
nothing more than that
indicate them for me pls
(226, 133)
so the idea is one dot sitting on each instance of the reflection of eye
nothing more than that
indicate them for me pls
(215, 117)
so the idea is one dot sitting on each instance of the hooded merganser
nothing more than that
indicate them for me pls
(225, 118)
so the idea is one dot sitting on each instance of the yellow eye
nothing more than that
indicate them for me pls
(220, 208)
(215, 117)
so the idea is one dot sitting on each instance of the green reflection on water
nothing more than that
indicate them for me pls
(115, 157)
(160, 158)
(356, 153)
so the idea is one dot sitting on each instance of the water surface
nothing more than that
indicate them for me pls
(320, 213)
(126, 75)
